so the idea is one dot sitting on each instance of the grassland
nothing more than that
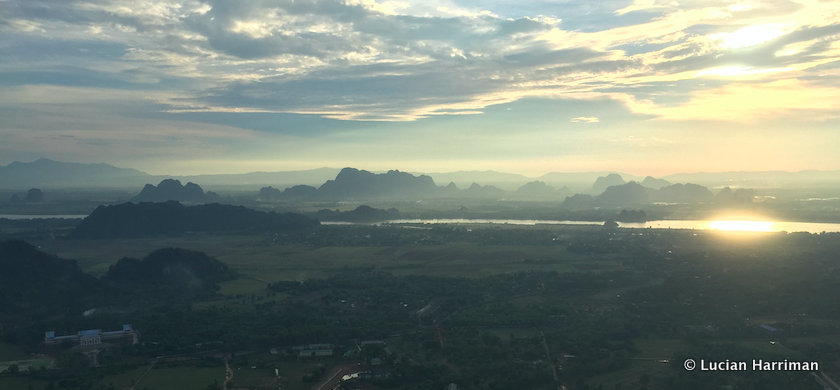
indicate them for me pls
(11, 352)
(259, 261)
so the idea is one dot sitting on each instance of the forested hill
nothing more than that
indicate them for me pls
(37, 286)
(154, 219)
(30, 279)
(173, 273)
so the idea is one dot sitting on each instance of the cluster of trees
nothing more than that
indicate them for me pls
(510, 330)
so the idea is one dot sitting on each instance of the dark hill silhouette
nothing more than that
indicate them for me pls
(536, 189)
(269, 193)
(579, 202)
(352, 183)
(300, 192)
(178, 273)
(34, 195)
(634, 194)
(631, 193)
(451, 190)
(31, 280)
(652, 182)
(171, 189)
(479, 191)
(154, 219)
(740, 195)
(362, 213)
(683, 193)
(603, 182)
(36, 286)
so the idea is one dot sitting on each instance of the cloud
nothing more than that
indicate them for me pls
(584, 119)
(752, 102)
(370, 60)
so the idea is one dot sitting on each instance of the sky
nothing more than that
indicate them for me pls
(646, 87)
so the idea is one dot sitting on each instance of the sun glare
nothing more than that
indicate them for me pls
(751, 35)
(741, 226)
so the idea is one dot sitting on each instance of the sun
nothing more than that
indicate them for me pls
(741, 226)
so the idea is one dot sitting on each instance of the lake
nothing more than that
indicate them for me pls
(758, 226)
(44, 216)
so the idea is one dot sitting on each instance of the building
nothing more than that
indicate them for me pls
(93, 337)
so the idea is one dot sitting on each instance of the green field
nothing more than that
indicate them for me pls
(647, 363)
(167, 378)
(22, 383)
(11, 352)
(260, 262)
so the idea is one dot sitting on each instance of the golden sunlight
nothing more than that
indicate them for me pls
(751, 35)
(741, 226)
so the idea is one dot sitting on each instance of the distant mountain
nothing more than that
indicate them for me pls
(536, 189)
(766, 179)
(652, 182)
(634, 194)
(171, 189)
(577, 181)
(310, 177)
(479, 191)
(352, 183)
(603, 182)
(683, 193)
(738, 196)
(579, 202)
(45, 173)
(628, 194)
(355, 184)
(503, 180)
(158, 219)
(451, 190)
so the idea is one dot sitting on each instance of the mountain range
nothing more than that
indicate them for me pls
(52, 174)
(46, 173)
(171, 189)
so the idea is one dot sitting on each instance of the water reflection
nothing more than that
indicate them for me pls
(742, 226)
(733, 225)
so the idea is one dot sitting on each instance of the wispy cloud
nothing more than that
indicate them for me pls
(367, 60)
(404, 61)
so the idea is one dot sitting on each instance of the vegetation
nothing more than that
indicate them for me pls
(169, 218)
(601, 308)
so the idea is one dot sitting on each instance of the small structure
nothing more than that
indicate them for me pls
(93, 337)
(769, 328)
(314, 350)
(91, 341)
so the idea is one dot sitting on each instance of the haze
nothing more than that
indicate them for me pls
(645, 87)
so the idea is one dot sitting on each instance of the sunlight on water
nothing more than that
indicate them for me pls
(742, 226)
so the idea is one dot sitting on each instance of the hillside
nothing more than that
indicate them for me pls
(157, 219)
(178, 273)
(32, 282)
